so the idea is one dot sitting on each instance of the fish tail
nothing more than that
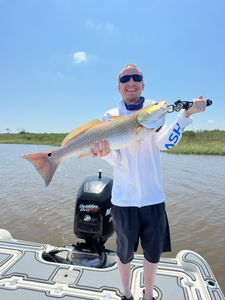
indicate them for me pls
(44, 163)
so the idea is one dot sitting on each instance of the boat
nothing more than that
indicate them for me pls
(87, 270)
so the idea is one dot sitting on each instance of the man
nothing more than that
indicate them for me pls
(138, 201)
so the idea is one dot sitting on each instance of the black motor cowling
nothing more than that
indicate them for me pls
(93, 219)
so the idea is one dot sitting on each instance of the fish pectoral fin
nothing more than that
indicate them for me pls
(114, 118)
(80, 130)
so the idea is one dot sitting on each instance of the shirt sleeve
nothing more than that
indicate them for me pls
(169, 136)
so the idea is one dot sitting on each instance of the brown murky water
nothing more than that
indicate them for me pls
(195, 189)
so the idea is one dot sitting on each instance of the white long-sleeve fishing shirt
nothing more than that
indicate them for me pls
(137, 174)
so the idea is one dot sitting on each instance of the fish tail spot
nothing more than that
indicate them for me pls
(46, 167)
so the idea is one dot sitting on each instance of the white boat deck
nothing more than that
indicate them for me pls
(24, 274)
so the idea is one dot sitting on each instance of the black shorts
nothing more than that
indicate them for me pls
(149, 223)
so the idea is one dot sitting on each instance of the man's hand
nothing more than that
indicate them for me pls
(198, 105)
(100, 149)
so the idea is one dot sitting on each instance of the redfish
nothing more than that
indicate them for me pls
(119, 131)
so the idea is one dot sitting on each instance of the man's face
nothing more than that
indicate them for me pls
(131, 90)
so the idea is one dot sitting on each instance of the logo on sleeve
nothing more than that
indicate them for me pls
(174, 137)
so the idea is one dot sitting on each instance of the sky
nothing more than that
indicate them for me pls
(59, 59)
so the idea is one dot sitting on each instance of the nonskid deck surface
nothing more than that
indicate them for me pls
(25, 275)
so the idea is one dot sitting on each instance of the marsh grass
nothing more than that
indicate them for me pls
(32, 138)
(207, 142)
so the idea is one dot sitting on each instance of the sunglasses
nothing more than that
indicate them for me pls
(135, 77)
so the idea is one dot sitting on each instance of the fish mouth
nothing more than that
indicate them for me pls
(164, 105)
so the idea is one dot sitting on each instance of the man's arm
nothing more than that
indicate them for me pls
(102, 149)
(168, 137)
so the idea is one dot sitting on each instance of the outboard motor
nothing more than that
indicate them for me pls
(93, 221)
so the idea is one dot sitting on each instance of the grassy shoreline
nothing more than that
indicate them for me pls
(206, 142)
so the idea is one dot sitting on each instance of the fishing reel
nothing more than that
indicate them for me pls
(179, 104)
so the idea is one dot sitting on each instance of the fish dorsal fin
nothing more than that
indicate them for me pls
(79, 130)
(114, 118)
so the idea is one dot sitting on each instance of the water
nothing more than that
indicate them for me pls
(194, 185)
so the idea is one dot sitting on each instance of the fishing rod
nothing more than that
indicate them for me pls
(179, 104)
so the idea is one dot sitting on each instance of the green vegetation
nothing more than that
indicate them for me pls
(24, 137)
(206, 142)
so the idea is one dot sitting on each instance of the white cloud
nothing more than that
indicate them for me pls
(102, 27)
(80, 57)
(211, 121)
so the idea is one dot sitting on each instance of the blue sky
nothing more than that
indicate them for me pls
(59, 59)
